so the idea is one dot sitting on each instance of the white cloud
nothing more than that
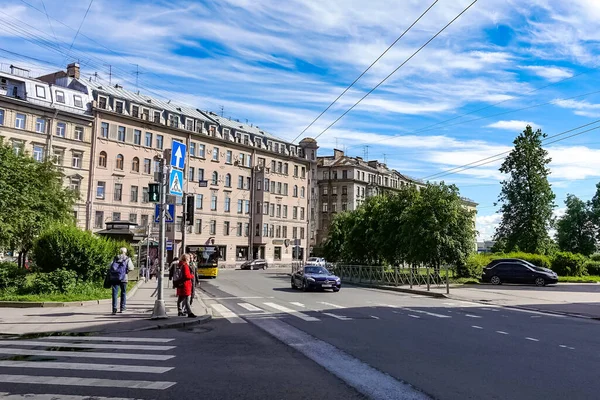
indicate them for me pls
(553, 74)
(513, 125)
(582, 108)
(486, 226)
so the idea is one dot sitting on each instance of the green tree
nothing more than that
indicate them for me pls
(526, 197)
(32, 196)
(594, 206)
(575, 231)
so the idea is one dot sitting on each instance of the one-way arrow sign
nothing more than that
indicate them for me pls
(178, 155)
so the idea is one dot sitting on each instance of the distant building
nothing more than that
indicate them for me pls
(485, 246)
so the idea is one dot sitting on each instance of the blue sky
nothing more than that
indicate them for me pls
(279, 64)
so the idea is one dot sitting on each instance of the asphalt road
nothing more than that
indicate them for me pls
(447, 349)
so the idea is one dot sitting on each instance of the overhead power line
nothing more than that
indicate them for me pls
(366, 70)
(395, 70)
(80, 25)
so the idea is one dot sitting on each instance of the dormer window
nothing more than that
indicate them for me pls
(77, 101)
(258, 142)
(135, 111)
(173, 121)
(189, 124)
(270, 145)
(212, 130)
(119, 107)
(60, 96)
(40, 91)
(225, 133)
(276, 148)
(157, 117)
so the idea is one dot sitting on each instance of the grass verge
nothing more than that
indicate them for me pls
(83, 292)
(579, 279)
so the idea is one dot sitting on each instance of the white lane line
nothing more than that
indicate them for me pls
(291, 312)
(566, 347)
(250, 307)
(449, 304)
(472, 316)
(227, 314)
(86, 345)
(295, 303)
(86, 354)
(428, 313)
(374, 317)
(85, 366)
(502, 332)
(92, 382)
(367, 380)
(31, 396)
(476, 327)
(236, 298)
(532, 339)
(330, 304)
(106, 339)
(340, 317)
(414, 316)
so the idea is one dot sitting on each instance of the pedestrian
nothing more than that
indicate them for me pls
(174, 264)
(194, 270)
(183, 281)
(117, 273)
(145, 271)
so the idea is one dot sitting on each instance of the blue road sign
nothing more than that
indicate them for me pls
(169, 245)
(170, 213)
(178, 155)
(176, 182)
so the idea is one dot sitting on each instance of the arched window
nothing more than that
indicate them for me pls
(215, 178)
(135, 164)
(302, 192)
(120, 161)
(102, 159)
(295, 190)
(228, 180)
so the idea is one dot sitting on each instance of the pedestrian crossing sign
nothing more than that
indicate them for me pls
(176, 182)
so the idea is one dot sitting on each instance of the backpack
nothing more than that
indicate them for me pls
(178, 278)
(118, 270)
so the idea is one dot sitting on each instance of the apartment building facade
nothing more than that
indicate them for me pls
(49, 122)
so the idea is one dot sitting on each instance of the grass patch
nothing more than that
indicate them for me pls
(81, 293)
(579, 279)
(464, 281)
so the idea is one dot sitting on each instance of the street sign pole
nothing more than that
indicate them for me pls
(160, 311)
(184, 223)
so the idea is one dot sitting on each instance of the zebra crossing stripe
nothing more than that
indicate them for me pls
(86, 345)
(330, 304)
(85, 354)
(340, 317)
(292, 312)
(249, 307)
(90, 382)
(107, 339)
(228, 314)
(84, 366)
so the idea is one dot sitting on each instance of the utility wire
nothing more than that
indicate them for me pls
(366, 70)
(49, 22)
(394, 71)
(80, 25)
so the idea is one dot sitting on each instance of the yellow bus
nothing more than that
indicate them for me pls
(207, 260)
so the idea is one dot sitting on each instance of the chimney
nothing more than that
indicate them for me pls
(73, 70)
(337, 154)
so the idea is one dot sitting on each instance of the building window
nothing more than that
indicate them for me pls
(191, 174)
(199, 201)
(104, 130)
(279, 167)
(40, 125)
(294, 233)
(101, 190)
(284, 234)
(279, 188)
(247, 186)
(258, 184)
(200, 174)
(278, 231)
(159, 142)
(303, 174)
(239, 229)
(295, 212)
(344, 206)
(228, 157)
(59, 156)
(120, 162)
(227, 203)
(344, 189)
(213, 227)
(119, 107)
(215, 178)
(226, 228)
(99, 220)
(277, 253)
(134, 194)
(173, 121)
(148, 140)
(77, 101)
(246, 229)
(278, 211)
(157, 117)
(192, 149)
(325, 190)
(189, 124)
(76, 160)
(38, 153)
(1, 117)
(271, 230)
(60, 98)
(198, 226)
(17, 146)
(156, 165)
(135, 164)
(295, 191)
(266, 208)
(325, 207)
(258, 209)
(240, 182)
(102, 159)
(301, 233)
(302, 192)
(285, 208)
(301, 213)
(144, 221)
(215, 154)
(40, 91)
(213, 201)
(240, 206)
(79, 133)
(61, 127)
(266, 185)
(265, 230)
(285, 168)
(334, 191)
(147, 165)
(137, 137)
(121, 134)
(118, 195)
(201, 150)
(145, 195)
(133, 218)
(247, 206)
(116, 216)
(135, 111)
(228, 180)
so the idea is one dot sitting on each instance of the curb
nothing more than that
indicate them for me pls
(50, 304)
(173, 325)
(402, 290)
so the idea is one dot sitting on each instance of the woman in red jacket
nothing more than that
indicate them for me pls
(185, 290)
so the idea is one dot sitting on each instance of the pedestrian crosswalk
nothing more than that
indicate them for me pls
(82, 363)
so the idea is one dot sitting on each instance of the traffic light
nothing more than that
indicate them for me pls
(154, 192)
(189, 210)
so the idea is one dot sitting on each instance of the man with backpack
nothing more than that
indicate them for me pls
(117, 274)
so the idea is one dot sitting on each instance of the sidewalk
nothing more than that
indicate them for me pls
(98, 317)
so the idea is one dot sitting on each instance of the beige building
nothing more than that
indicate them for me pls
(49, 122)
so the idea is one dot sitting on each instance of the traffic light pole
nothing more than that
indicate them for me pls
(160, 311)
(184, 224)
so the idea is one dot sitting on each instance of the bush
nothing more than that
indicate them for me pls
(568, 264)
(539, 260)
(595, 257)
(592, 267)
(58, 281)
(473, 267)
(12, 276)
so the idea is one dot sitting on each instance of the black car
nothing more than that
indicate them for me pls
(314, 277)
(255, 264)
(514, 270)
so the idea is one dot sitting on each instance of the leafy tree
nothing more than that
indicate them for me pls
(594, 206)
(575, 231)
(32, 196)
(527, 198)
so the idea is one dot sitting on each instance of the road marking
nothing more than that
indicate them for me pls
(532, 339)
(107, 339)
(227, 314)
(236, 298)
(449, 304)
(428, 313)
(414, 316)
(369, 381)
(476, 327)
(374, 317)
(31, 396)
(340, 317)
(250, 307)
(93, 382)
(292, 312)
(86, 354)
(86, 345)
(536, 316)
(84, 366)
(472, 316)
(566, 347)
(502, 332)
(330, 304)
(297, 304)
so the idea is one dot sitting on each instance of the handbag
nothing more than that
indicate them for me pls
(107, 281)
